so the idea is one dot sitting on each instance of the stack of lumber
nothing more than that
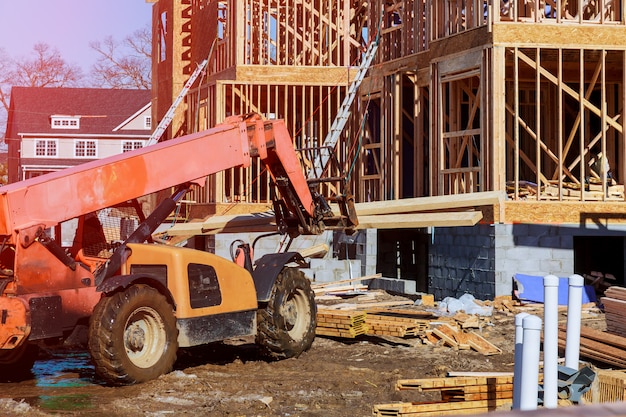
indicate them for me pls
(374, 319)
(340, 323)
(614, 301)
(459, 395)
(609, 386)
(398, 323)
(599, 346)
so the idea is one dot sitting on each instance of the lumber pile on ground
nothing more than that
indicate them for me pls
(614, 301)
(459, 395)
(599, 346)
(374, 319)
(396, 323)
(340, 323)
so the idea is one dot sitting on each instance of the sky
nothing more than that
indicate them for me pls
(68, 25)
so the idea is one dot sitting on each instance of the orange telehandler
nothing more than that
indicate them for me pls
(62, 266)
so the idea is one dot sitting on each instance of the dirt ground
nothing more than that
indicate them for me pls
(336, 377)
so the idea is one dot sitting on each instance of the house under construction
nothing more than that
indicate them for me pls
(464, 98)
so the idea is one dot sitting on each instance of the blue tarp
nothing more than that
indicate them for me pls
(530, 288)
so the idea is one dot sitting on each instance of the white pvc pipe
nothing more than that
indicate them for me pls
(518, 366)
(550, 341)
(574, 314)
(530, 360)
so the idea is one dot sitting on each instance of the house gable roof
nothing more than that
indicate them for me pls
(100, 110)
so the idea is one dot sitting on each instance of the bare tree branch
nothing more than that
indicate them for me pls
(46, 68)
(125, 64)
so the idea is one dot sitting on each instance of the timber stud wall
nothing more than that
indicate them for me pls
(291, 60)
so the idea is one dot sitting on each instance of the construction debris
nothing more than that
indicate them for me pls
(458, 339)
(401, 318)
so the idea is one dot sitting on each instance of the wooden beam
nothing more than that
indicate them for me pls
(415, 220)
(443, 202)
(264, 222)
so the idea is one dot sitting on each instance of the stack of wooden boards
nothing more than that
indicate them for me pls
(599, 346)
(610, 386)
(608, 347)
(400, 323)
(340, 323)
(459, 395)
(614, 301)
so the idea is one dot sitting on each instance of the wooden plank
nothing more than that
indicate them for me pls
(446, 333)
(366, 306)
(456, 406)
(396, 221)
(604, 337)
(317, 285)
(448, 396)
(430, 384)
(266, 221)
(477, 373)
(401, 312)
(480, 344)
(317, 251)
(597, 350)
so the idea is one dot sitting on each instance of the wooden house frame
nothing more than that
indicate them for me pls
(519, 97)
(450, 105)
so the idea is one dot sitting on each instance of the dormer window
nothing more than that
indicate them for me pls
(65, 122)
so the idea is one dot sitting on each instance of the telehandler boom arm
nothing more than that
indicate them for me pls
(45, 201)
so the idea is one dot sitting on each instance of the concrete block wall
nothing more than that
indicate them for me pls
(533, 250)
(483, 259)
(462, 260)
(542, 249)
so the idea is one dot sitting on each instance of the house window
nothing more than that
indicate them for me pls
(65, 122)
(131, 145)
(147, 122)
(46, 147)
(85, 149)
(162, 37)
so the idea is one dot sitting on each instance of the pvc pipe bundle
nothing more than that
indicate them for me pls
(528, 341)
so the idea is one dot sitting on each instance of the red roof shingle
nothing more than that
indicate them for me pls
(101, 110)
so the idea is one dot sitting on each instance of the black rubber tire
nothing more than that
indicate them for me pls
(286, 326)
(133, 336)
(17, 364)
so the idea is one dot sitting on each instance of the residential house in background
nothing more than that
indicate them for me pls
(49, 129)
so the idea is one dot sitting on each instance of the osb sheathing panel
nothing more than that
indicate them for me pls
(563, 212)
